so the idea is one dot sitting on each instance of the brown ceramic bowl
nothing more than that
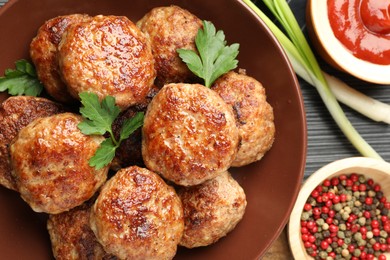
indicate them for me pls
(271, 185)
(375, 169)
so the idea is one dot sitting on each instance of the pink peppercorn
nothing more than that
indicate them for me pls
(333, 228)
(334, 181)
(354, 177)
(369, 201)
(326, 183)
(316, 211)
(324, 244)
(376, 231)
(376, 246)
(377, 187)
(362, 187)
(310, 225)
(374, 223)
(307, 207)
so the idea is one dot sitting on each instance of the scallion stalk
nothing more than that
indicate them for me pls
(305, 65)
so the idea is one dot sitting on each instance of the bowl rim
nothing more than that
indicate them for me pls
(318, 12)
(360, 165)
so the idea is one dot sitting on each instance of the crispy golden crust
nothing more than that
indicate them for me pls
(254, 115)
(211, 210)
(189, 134)
(50, 160)
(107, 55)
(170, 28)
(43, 52)
(16, 113)
(72, 238)
(138, 216)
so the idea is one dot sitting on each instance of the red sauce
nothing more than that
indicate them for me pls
(363, 27)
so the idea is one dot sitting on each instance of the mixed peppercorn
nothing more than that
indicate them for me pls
(346, 217)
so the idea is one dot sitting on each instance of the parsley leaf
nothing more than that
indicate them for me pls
(215, 57)
(21, 81)
(103, 155)
(98, 118)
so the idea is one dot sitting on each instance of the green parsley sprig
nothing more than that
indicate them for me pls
(22, 80)
(98, 118)
(215, 57)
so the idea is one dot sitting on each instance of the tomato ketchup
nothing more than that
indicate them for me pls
(363, 27)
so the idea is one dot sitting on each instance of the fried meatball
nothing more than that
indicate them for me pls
(107, 55)
(170, 28)
(211, 210)
(50, 160)
(129, 151)
(254, 115)
(72, 238)
(189, 134)
(43, 52)
(138, 216)
(15, 113)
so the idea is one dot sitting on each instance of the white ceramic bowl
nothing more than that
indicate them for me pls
(375, 169)
(330, 48)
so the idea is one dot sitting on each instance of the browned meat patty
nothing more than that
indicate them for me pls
(254, 115)
(129, 152)
(211, 210)
(138, 216)
(43, 52)
(16, 113)
(189, 134)
(50, 160)
(170, 28)
(107, 55)
(72, 238)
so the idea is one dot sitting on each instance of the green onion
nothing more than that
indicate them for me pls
(305, 65)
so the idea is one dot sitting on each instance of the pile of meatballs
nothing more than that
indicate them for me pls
(169, 183)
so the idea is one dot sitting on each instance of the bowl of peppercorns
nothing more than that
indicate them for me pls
(343, 212)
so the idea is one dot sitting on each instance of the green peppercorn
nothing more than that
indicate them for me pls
(383, 234)
(342, 227)
(362, 242)
(323, 254)
(345, 252)
(325, 226)
(357, 252)
(345, 215)
(340, 234)
(337, 207)
(355, 211)
(305, 216)
(357, 236)
(362, 221)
